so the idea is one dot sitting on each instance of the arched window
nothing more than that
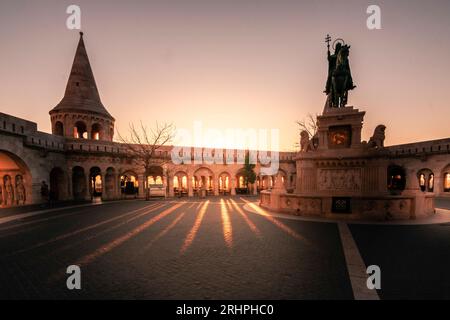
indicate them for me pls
(241, 182)
(447, 182)
(158, 180)
(129, 184)
(175, 182)
(96, 131)
(426, 180)
(59, 128)
(80, 131)
(184, 182)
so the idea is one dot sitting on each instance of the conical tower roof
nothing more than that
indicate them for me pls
(81, 91)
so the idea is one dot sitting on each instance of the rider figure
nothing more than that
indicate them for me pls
(332, 61)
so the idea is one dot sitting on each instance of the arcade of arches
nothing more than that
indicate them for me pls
(85, 183)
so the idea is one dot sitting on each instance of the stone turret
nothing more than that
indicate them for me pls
(81, 114)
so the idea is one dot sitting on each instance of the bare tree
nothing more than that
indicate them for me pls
(309, 125)
(143, 143)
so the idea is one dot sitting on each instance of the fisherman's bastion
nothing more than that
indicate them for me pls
(335, 173)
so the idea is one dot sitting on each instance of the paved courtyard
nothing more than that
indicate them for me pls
(211, 249)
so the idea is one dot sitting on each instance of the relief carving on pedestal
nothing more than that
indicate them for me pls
(339, 179)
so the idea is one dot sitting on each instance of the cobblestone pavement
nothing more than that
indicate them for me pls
(190, 249)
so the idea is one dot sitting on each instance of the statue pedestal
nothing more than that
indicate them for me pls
(340, 128)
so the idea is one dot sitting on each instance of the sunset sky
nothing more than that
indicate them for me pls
(232, 63)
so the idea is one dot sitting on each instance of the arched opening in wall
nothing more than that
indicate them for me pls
(59, 128)
(155, 184)
(180, 184)
(15, 181)
(95, 182)
(96, 131)
(129, 184)
(78, 183)
(396, 179)
(447, 182)
(203, 181)
(241, 186)
(110, 183)
(58, 185)
(111, 133)
(426, 180)
(80, 130)
(224, 183)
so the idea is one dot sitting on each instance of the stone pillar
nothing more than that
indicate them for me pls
(233, 186)
(105, 196)
(88, 195)
(141, 192)
(118, 190)
(190, 189)
(164, 178)
(216, 185)
(170, 185)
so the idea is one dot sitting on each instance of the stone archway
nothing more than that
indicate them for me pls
(203, 181)
(15, 180)
(224, 183)
(96, 182)
(97, 131)
(80, 130)
(129, 184)
(58, 184)
(180, 183)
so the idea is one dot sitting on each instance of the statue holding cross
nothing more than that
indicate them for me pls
(339, 80)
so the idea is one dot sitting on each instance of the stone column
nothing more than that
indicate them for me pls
(141, 192)
(88, 195)
(118, 190)
(105, 196)
(170, 185)
(233, 186)
(216, 185)
(164, 179)
(190, 189)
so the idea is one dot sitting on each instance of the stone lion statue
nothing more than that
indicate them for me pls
(377, 140)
